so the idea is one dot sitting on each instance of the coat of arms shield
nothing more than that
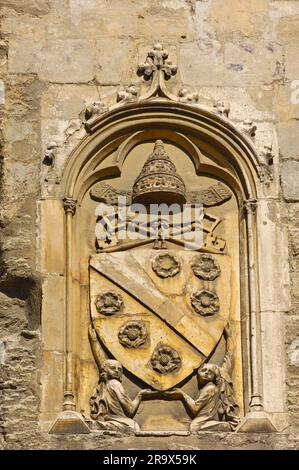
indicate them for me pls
(160, 313)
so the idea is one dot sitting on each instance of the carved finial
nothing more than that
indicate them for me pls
(249, 127)
(186, 97)
(266, 165)
(157, 59)
(49, 157)
(128, 94)
(69, 205)
(250, 205)
(222, 108)
(157, 68)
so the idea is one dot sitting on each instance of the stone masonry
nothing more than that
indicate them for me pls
(56, 57)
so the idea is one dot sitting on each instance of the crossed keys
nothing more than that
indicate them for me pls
(118, 231)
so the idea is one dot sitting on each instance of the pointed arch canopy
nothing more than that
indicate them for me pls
(156, 118)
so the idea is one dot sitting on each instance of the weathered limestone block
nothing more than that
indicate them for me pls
(52, 313)
(294, 233)
(51, 261)
(66, 101)
(53, 60)
(273, 264)
(253, 62)
(30, 7)
(295, 284)
(288, 145)
(291, 61)
(116, 61)
(289, 180)
(272, 329)
(246, 17)
(52, 382)
(201, 66)
(143, 19)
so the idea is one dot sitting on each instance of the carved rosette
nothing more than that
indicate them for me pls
(166, 265)
(205, 267)
(205, 302)
(133, 334)
(109, 303)
(165, 360)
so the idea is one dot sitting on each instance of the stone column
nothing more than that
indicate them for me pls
(69, 421)
(256, 420)
(69, 206)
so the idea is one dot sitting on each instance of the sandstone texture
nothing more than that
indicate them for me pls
(57, 56)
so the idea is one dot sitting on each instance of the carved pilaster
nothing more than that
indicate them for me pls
(69, 205)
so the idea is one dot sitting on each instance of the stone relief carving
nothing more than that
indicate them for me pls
(205, 302)
(212, 196)
(266, 165)
(69, 205)
(159, 179)
(250, 205)
(205, 267)
(109, 303)
(158, 182)
(130, 93)
(222, 108)
(215, 407)
(249, 128)
(187, 97)
(50, 154)
(111, 408)
(103, 192)
(165, 360)
(157, 59)
(133, 334)
(166, 265)
(93, 110)
(209, 197)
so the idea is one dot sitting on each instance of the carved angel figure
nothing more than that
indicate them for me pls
(215, 408)
(111, 407)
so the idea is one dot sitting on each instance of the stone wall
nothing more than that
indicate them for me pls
(58, 55)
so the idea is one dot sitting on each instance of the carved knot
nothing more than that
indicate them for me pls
(69, 205)
(157, 59)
